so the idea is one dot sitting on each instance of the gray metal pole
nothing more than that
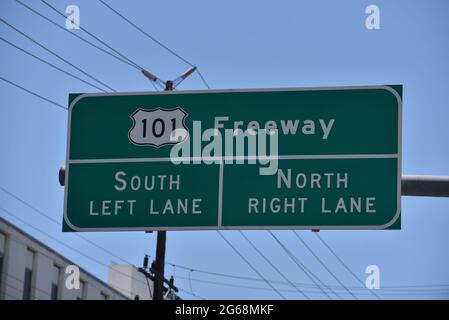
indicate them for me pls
(425, 186)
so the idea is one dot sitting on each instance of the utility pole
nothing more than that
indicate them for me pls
(152, 276)
(158, 292)
(159, 263)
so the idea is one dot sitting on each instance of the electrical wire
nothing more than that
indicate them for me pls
(309, 291)
(76, 35)
(149, 288)
(309, 288)
(83, 39)
(300, 265)
(384, 289)
(155, 40)
(33, 93)
(344, 264)
(93, 36)
(21, 282)
(251, 266)
(18, 290)
(54, 54)
(190, 281)
(192, 294)
(274, 266)
(145, 33)
(304, 285)
(323, 264)
(50, 64)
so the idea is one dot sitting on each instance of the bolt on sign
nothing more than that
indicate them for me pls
(295, 158)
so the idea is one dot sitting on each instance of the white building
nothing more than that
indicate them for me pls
(31, 270)
(129, 281)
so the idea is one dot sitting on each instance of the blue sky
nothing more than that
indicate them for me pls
(238, 44)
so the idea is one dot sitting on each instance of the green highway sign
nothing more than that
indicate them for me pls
(295, 158)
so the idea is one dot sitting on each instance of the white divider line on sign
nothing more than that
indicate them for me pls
(284, 157)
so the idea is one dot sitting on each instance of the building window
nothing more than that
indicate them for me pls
(54, 292)
(27, 281)
(27, 284)
(104, 296)
(82, 290)
(55, 282)
(2, 257)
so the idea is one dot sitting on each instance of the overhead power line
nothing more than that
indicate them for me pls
(126, 60)
(192, 294)
(440, 287)
(146, 34)
(323, 264)
(307, 285)
(20, 281)
(301, 266)
(54, 54)
(93, 36)
(344, 264)
(76, 35)
(311, 290)
(149, 36)
(250, 265)
(50, 64)
(274, 266)
(202, 79)
(33, 93)
(99, 40)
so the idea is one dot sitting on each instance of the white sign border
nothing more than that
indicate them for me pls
(374, 87)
